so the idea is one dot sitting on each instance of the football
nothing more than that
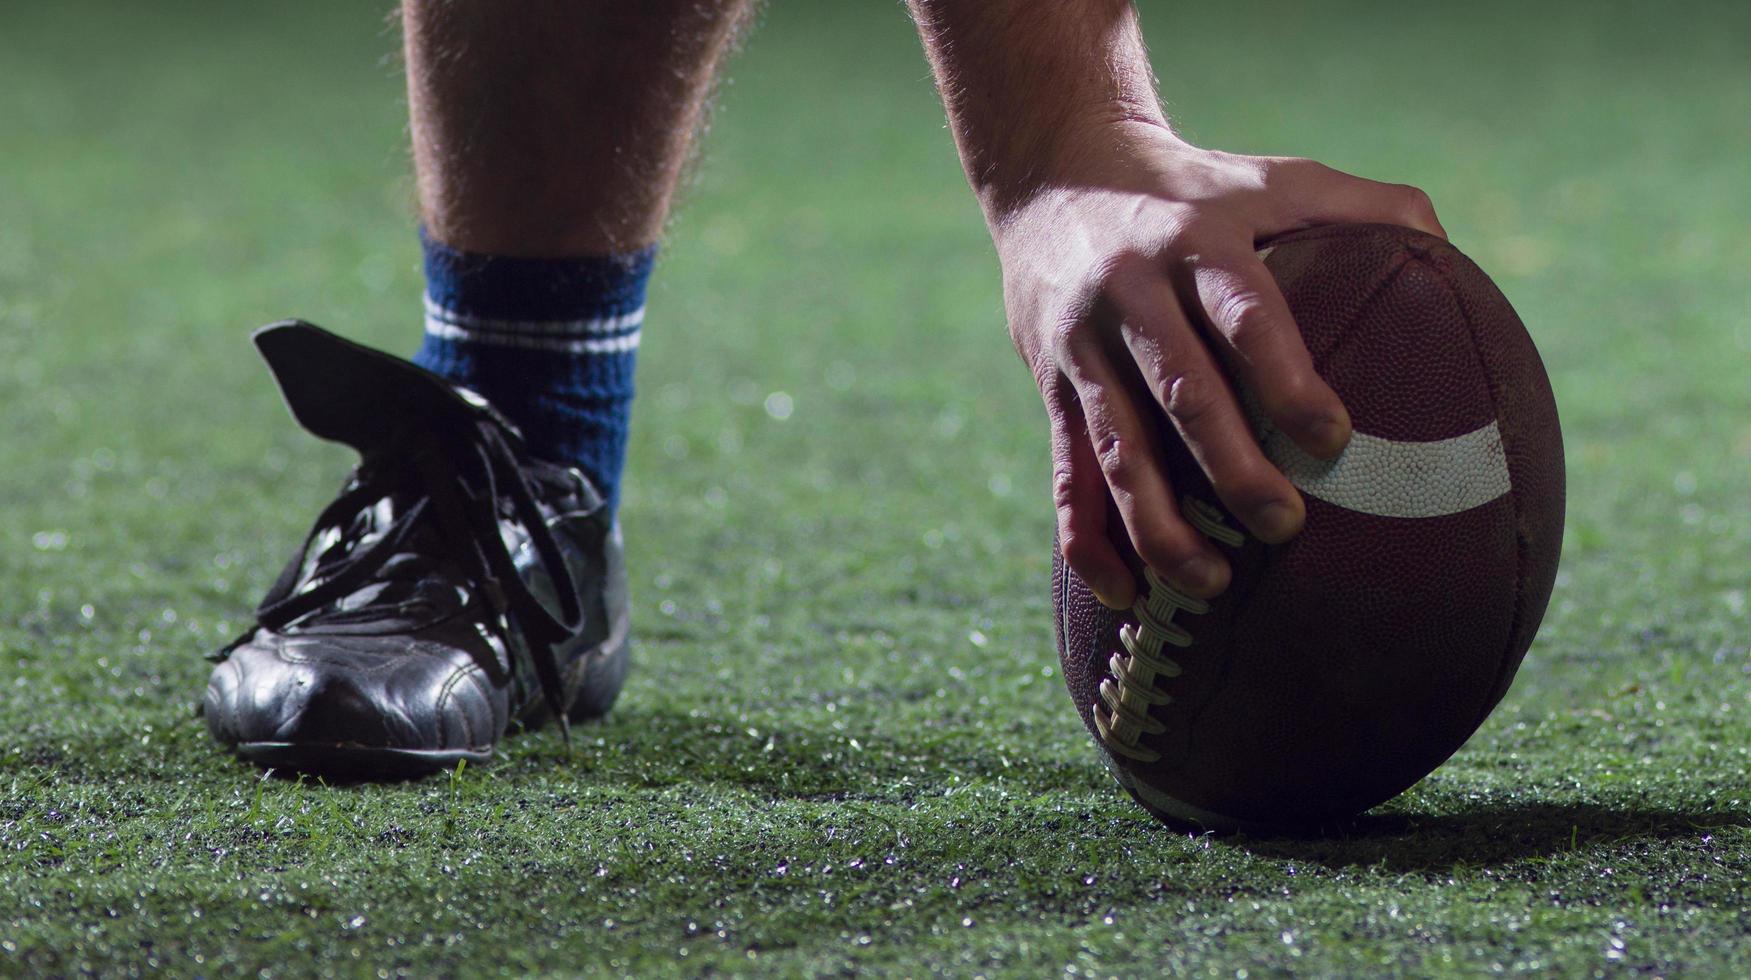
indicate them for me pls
(1343, 666)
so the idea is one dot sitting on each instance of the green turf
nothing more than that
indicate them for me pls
(845, 745)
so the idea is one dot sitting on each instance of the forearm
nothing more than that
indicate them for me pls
(1021, 79)
(1131, 281)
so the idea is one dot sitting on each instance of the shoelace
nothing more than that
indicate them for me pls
(462, 482)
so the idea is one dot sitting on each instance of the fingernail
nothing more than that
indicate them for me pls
(1197, 574)
(1276, 522)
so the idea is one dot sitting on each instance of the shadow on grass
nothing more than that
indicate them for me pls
(1493, 834)
(642, 750)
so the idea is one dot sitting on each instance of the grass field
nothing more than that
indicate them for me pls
(845, 745)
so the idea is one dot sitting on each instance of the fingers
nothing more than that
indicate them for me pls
(1126, 450)
(1191, 388)
(1079, 494)
(1263, 347)
(1320, 195)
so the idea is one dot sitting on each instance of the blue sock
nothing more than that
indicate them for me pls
(549, 342)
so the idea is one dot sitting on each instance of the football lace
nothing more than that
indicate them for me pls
(1129, 690)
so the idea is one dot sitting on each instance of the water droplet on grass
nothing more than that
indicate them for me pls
(49, 540)
(779, 405)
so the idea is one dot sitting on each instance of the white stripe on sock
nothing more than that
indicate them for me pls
(571, 345)
(598, 326)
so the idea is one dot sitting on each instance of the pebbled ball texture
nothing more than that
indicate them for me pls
(1343, 666)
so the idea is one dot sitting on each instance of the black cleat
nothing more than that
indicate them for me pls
(454, 588)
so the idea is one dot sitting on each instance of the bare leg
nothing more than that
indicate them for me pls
(562, 128)
(548, 136)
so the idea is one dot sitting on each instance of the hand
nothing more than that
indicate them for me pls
(1138, 247)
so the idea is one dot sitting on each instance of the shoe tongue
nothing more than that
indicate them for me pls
(364, 398)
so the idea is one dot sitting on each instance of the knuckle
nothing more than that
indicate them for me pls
(1058, 359)
(1120, 268)
(1067, 335)
(1150, 229)
(1124, 260)
(1064, 491)
(1120, 461)
(1416, 202)
(1050, 380)
(1189, 399)
(1202, 244)
(1080, 551)
(1243, 318)
(1183, 231)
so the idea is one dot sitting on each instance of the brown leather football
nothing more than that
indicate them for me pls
(1343, 666)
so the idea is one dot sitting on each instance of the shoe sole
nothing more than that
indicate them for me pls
(347, 761)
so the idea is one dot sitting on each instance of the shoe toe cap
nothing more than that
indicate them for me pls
(345, 691)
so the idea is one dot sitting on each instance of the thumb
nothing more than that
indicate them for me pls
(1318, 195)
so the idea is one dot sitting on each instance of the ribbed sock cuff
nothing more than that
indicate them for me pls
(551, 342)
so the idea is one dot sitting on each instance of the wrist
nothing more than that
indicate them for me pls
(1025, 81)
(1098, 152)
